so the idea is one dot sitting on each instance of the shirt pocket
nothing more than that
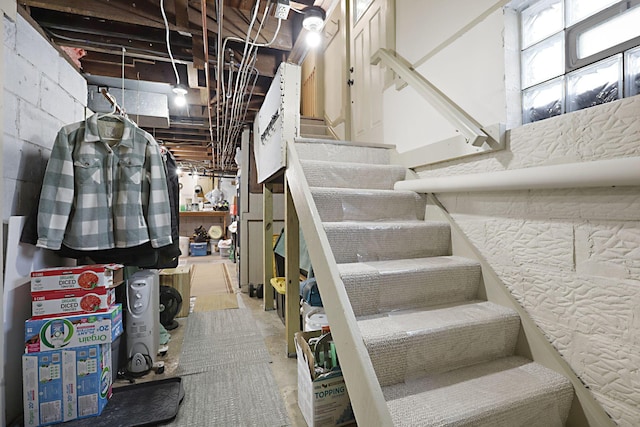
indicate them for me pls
(131, 170)
(88, 170)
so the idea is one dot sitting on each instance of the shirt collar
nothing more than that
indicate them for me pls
(91, 133)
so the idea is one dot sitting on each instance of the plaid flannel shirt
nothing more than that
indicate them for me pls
(96, 196)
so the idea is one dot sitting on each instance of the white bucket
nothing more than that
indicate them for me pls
(315, 320)
(184, 246)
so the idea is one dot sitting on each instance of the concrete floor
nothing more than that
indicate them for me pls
(284, 369)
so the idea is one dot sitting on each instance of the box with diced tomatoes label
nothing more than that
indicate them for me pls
(71, 302)
(86, 277)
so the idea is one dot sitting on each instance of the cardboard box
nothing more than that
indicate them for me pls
(323, 401)
(73, 331)
(71, 302)
(93, 379)
(49, 396)
(180, 279)
(63, 385)
(87, 277)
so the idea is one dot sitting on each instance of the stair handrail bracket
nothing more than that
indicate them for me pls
(367, 399)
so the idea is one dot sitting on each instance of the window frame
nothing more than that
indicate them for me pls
(571, 63)
(573, 32)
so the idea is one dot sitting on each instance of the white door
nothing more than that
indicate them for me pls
(371, 28)
(336, 101)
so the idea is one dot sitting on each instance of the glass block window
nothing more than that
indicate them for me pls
(576, 54)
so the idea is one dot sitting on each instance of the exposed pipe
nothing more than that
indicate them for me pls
(205, 42)
(599, 173)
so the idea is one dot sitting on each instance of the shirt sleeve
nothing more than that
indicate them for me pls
(56, 196)
(159, 209)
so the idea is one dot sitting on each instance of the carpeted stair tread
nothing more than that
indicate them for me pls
(507, 392)
(317, 149)
(376, 241)
(346, 204)
(382, 286)
(352, 175)
(411, 342)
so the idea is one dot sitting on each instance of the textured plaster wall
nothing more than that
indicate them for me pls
(570, 257)
(42, 92)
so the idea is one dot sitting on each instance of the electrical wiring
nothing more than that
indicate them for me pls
(246, 75)
(167, 33)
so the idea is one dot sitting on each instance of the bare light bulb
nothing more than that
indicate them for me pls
(313, 39)
(180, 101)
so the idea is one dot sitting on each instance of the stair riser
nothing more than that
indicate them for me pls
(373, 293)
(381, 242)
(343, 153)
(335, 206)
(419, 354)
(343, 175)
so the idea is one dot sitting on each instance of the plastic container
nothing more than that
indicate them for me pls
(198, 249)
(224, 252)
(184, 245)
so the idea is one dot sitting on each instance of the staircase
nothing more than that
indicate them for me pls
(442, 356)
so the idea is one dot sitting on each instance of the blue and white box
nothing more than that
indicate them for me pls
(73, 331)
(47, 383)
(63, 385)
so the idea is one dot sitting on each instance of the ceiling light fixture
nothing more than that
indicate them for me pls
(180, 91)
(313, 21)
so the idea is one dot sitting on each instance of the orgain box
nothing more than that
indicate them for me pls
(63, 385)
(73, 331)
(93, 378)
(48, 391)
(323, 400)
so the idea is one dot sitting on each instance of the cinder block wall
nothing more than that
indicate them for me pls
(42, 92)
(570, 257)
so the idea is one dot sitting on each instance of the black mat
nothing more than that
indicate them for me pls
(142, 404)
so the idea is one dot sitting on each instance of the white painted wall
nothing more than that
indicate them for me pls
(570, 257)
(41, 93)
(462, 55)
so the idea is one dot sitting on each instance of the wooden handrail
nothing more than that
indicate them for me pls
(468, 127)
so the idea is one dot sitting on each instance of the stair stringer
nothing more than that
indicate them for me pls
(367, 400)
(532, 344)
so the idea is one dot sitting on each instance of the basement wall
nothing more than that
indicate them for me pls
(570, 257)
(41, 93)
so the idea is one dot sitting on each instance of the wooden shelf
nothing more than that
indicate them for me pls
(205, 213)
(208, 214)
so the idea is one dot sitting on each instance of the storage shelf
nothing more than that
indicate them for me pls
(214, 214)
(204, 213)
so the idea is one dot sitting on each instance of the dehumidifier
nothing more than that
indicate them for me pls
(143, 318)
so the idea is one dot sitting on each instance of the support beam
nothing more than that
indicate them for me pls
(267, 236)
(292, 268)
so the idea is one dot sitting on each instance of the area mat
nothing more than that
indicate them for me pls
(137, 405)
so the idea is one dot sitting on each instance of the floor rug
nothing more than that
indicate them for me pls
(215, 302)
(136, 405)
(221, 338)
(225, 369)
(232, 396)
(211, 288)
(209, 279)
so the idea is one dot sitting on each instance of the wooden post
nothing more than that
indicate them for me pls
(292, 268)
(267, 235)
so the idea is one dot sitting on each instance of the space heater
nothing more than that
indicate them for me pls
(143, 318)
